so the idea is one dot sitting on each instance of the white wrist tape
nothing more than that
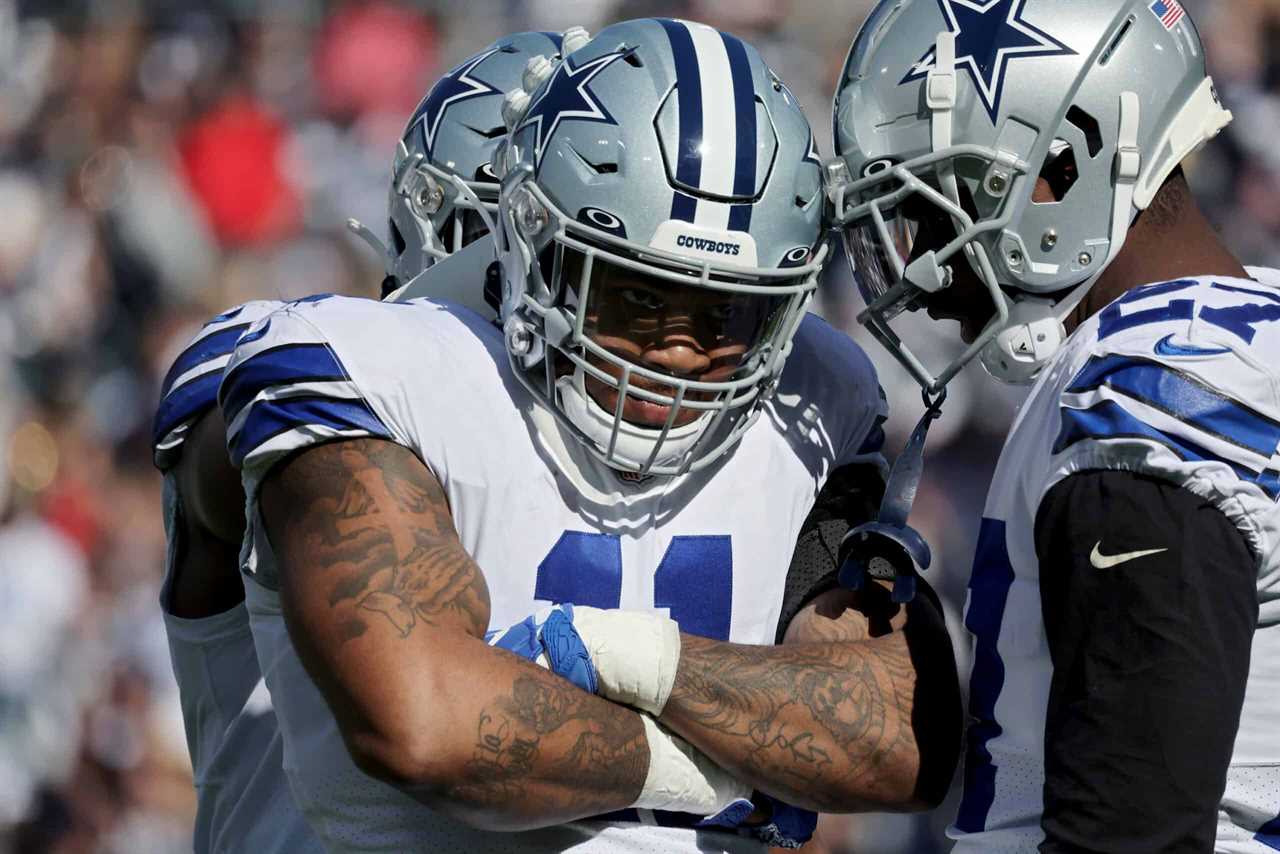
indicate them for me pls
(635, 655)
(682, 779)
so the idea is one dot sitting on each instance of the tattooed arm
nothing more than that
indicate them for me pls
(858, 709)
(388, 614)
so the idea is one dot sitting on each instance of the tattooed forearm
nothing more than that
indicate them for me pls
(581, 756)
(387, 613)
(823, 725)
(378, 525)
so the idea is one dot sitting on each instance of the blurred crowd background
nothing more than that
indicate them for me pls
(162, 160)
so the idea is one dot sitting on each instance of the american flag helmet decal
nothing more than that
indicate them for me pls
(1170, 12)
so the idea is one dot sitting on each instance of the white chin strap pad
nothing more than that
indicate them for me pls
(1031, 338)
(634, 444)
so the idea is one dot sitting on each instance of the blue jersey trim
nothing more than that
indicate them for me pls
(287, 364)
(205, 349)
(1183, 397)
(1109, 420)
(227, 315)
(989, 594)
(270, 418)
(191, 399)
(1269, 834)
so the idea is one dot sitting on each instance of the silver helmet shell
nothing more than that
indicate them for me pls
(670, 150)
(957, 107)
(443, 189)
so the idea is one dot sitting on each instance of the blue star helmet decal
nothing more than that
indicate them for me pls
(990, 34)
(567, 96)
(456, 86)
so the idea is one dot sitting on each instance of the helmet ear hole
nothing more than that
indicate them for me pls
(1088, 125)
(1059, 174)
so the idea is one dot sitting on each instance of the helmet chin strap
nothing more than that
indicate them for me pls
(1035, 329)
(889, 549)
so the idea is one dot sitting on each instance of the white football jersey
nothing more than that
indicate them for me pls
(1180, 381)
(543, 519)
(242, 795)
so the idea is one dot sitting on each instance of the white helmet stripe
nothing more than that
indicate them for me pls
(719, 118)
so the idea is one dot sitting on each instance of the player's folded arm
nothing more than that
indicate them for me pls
(1150, 604)
(387, 610)
(857, 710)
(381, 601)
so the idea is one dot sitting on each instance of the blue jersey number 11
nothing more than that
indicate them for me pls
(694, 579)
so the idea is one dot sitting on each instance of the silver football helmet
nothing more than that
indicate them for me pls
(661, 195)
(444, 193)
(947, 113)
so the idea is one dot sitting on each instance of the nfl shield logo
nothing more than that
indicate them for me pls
(1169, 12)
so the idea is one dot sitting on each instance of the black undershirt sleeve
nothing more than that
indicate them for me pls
(1150, 659)
(850, 497)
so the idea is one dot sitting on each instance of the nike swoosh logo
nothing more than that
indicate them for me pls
(1101, 561)
(1166, 347)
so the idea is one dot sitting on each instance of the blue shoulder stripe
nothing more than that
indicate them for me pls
(1109, 420)
(1183, 397)
(185, 403)
(209, 347)
(227, 315)
(286, 364)
(270, 418)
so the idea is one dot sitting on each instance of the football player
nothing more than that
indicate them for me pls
(1020, 170)
(656, 426)
(243, 801)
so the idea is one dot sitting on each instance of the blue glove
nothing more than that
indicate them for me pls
(787, 826)
(549, 638)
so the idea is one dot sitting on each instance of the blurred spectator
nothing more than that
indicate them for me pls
(162, 160)
(232, 159)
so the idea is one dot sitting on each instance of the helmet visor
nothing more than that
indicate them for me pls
(880, 245)
(693, 331)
